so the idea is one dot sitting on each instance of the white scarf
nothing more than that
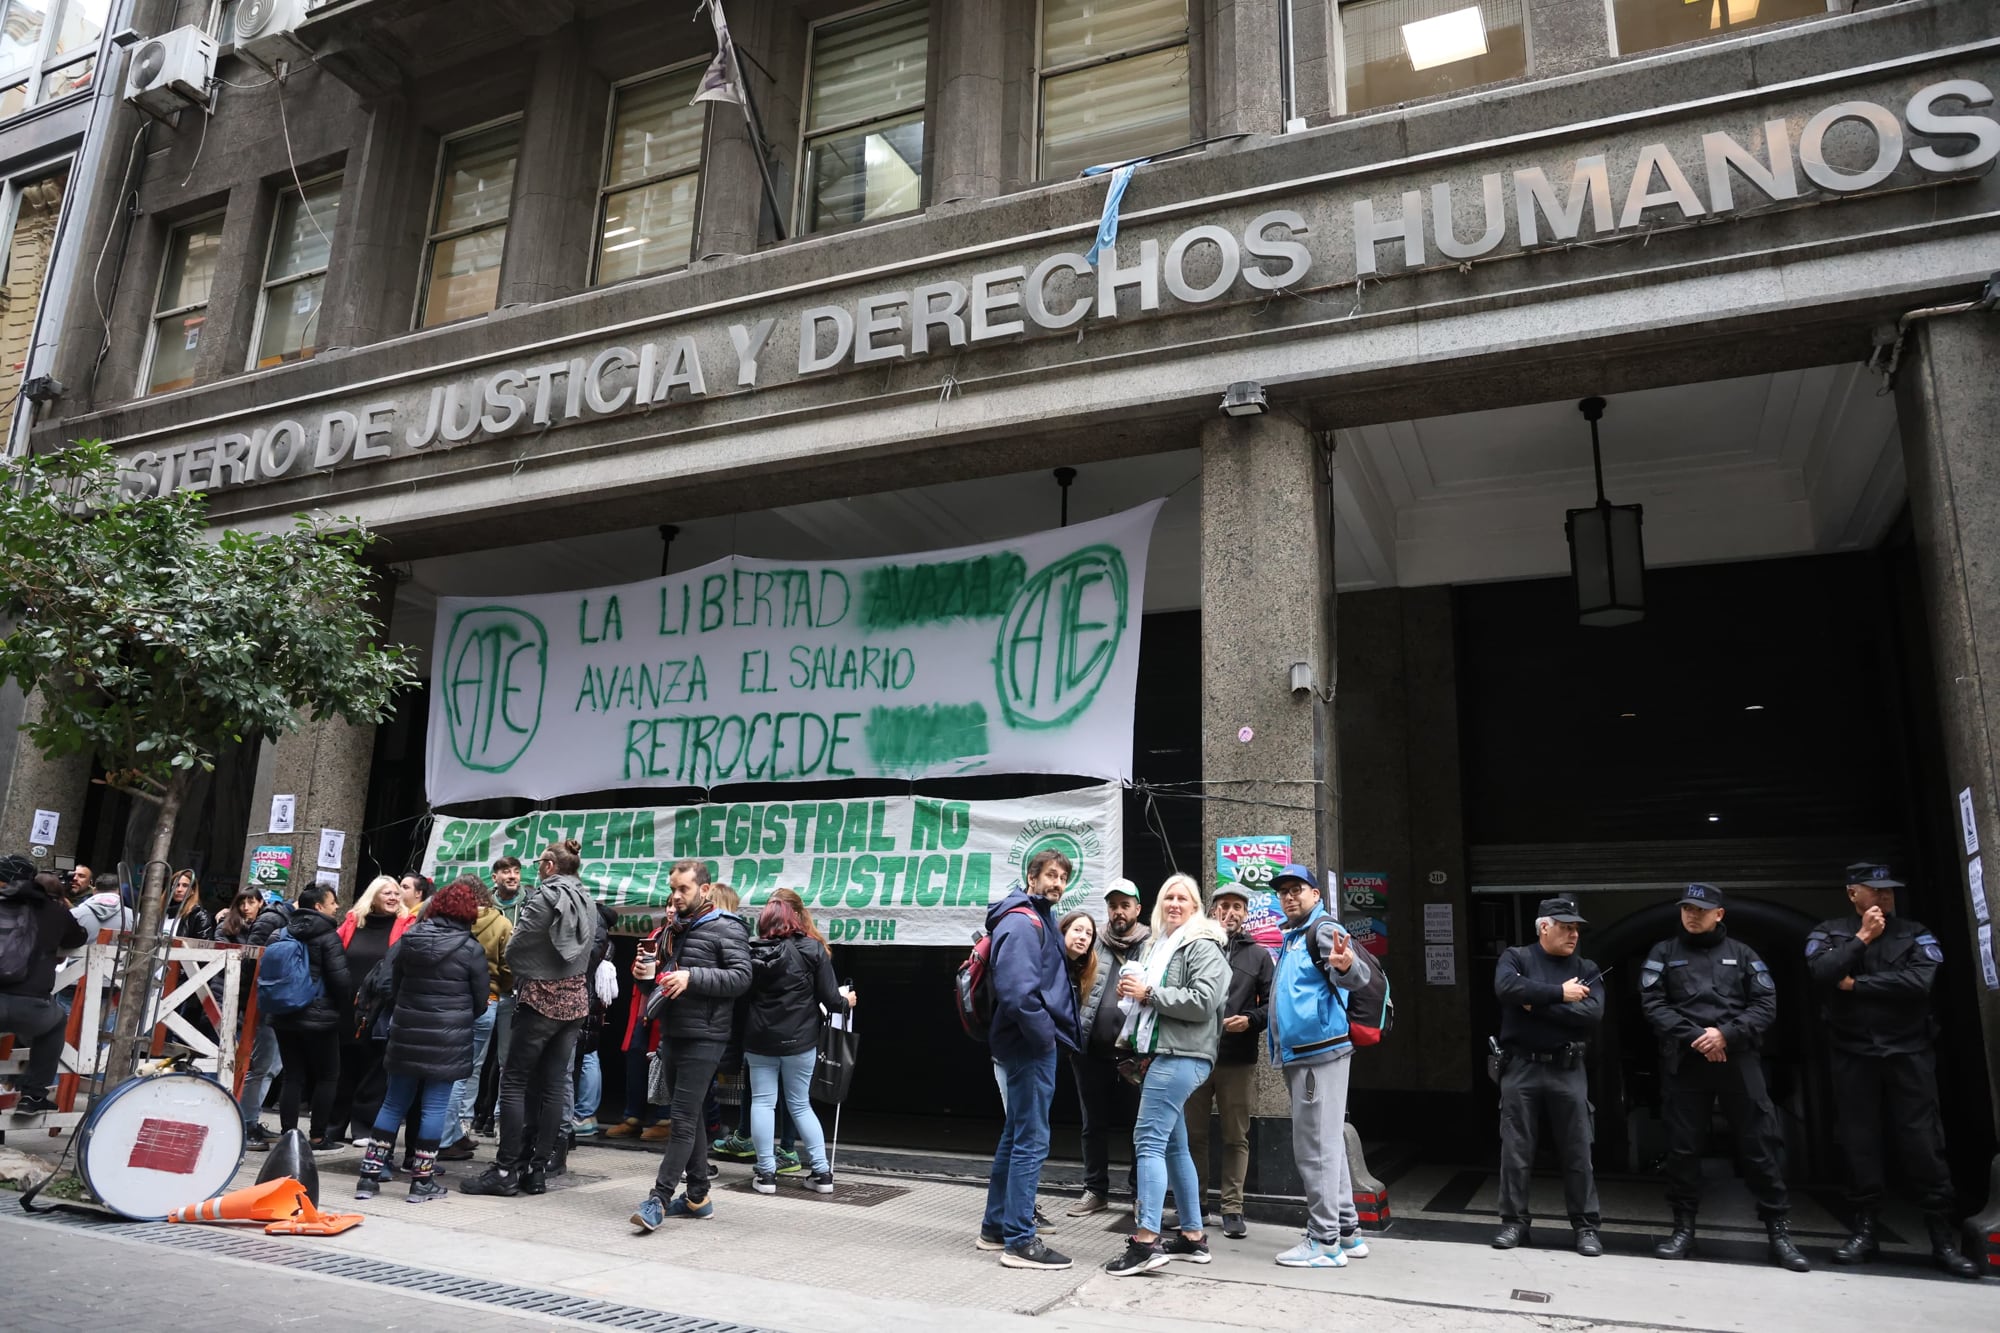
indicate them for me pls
(1139, 1030)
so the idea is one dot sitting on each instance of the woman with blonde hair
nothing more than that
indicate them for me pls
(1172, 999)
(374, 924)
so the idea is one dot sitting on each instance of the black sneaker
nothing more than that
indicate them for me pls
(989, 1238)
(1233, 1227)
(1035, 1255)
(534, 1180)
(423, 1189)
(1178, 1246)
(493, 1180)
(821, 1182)
(1141, 1256)
(764, 1182)
(367, 1186)
(256, 1138)
(484, 1129)
(34, 1103)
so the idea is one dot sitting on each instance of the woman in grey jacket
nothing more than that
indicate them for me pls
(1172, 1000)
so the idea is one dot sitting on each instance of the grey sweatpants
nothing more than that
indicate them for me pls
(1319, 1146)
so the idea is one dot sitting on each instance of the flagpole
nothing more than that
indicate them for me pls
(757, 144)
(719, 84)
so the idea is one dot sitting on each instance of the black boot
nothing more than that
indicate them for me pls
(1681, 1244)
(1944, 1249)
(1783, 1253)
(1860, 1246)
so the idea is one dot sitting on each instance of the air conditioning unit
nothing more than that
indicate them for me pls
(171, 71)
(266, 32)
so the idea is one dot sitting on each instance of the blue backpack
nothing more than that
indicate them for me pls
(285, 980)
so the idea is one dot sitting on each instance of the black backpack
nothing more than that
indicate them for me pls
(20, 938)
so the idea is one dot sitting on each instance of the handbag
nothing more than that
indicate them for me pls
(659, 1087)
(833, 1062)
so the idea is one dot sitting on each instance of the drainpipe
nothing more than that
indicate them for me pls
(1288, 64)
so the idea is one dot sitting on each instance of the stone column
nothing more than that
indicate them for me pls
(968, 128)
(1245, 79)
(732, 209)
(30, 782)
(1266, 603)
(552, 223)
(1566, 35)
(1947, 399)
(371, 284)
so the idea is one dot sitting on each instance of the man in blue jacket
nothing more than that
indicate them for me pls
(1034, 1013)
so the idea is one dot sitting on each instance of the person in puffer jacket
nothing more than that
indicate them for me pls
(791, 981)
(440, 981)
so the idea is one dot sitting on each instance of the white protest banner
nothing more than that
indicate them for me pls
(1012, 657)
(877, 870)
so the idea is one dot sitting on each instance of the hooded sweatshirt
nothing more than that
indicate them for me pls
(1034, 1007)
(56, 931)
(554, 932)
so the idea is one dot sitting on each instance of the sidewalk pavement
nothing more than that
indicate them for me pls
(895, 1255)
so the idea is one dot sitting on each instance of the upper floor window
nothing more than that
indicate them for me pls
(37, 207)
(1647, 25)
(48, 50)
(1114, 82)
(475, 192)
(1400, 50)
(864, 122)
(288, 311)
(180, 311)
(652, 177)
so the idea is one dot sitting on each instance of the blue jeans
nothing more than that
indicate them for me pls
(1160, 1141)
(795, 1073)
(589, 1088)
(264, 1066)
(466, 1090)
(1024, 1145)
(434, 1106)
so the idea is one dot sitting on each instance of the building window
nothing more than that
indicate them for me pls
(181, 310)
(288, 312)
(864, 126)
(1647, 25)
(48, 50)
(1400, 50)
(652, 176)
(469, 226)
(1114, 82)
(37, 206)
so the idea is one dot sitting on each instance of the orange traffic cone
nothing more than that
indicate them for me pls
(282, 1203)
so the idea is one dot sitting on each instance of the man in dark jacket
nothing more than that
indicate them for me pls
(27, 1009)
(1231, 1085)
(1874, 971)
(710, 969)
(265, 1062)
(1710, 1000)
(1110, 1105)
(1034, 1016)
(309, 1038)
(1551, 1002)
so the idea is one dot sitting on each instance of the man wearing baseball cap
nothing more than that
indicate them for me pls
(1550, 1004)
(1710, 999)
(1874, 972)
(1109, 1104)
(1232, 1084)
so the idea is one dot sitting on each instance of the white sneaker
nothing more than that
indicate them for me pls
(1354, 1246)
(1309, 1253)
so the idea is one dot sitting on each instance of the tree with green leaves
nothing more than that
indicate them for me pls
(154, 640)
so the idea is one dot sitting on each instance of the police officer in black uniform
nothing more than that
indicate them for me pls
(1874, 972)
(1550, 1004)
(1710, 1000)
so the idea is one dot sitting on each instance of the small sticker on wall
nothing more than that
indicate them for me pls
(1246, 735)
(302, 301)
(192, 340)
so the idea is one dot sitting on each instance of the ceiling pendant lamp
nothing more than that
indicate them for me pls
(1607, 562)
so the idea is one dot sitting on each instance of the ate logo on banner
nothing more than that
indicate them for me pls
(1060, 637)
(497, 665)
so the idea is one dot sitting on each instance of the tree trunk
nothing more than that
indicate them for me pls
(140, 974)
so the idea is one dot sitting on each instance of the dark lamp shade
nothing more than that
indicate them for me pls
(1607, 563)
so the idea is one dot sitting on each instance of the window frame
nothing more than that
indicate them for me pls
(1044, 73)
(1340, 90)
(802, 186)
(266, 283)
(605, 187)
(10, 210)
(47, 62)
(433, 237)
(1617, 52)
(157, 314)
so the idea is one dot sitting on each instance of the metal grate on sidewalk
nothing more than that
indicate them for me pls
(855, 1194)
(302, 1258)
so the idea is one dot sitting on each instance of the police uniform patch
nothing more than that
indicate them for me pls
(1929, 944)
(1815, 942)
(1651, 976)
(1729, 962)
(1762, 975)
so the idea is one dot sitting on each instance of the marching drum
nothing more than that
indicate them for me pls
(152, 1145)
